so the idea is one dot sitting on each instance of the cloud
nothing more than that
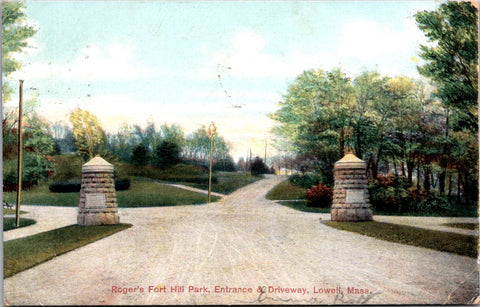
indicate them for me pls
(115, 61)
(367, 42)
(248, 59)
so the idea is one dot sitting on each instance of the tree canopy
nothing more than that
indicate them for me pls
(452, 58)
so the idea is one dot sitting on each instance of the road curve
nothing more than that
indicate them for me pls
(244, 241)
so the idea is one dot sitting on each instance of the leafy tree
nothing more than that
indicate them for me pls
(452, 63)
(452, 57)
(225, 165)
(197, 146)
(14, 39)
(140, 155)
(64, 138)
(167, 154)
(258, 167)
(90, 139)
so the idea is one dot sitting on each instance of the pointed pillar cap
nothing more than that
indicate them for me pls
(350, 161)
(97, 164)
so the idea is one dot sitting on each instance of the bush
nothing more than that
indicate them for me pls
(393, 194)
(75, 186)
(122, 185)
(258, 167)
(65, 186)
(319, 196)
(307, 181)
(67, 167)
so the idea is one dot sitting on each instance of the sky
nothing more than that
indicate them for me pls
(193, 62)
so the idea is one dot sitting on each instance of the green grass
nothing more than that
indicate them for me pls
(227, 182)
(10, 223)
(469, 226)
(302, 206)
(12, 211)
(151, 194)
(21, 254)
(465, 245)
(140, 194)
(286, 191)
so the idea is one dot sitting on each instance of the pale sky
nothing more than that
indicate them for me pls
(192, 62)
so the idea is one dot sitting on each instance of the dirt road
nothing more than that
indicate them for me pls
(246, 242)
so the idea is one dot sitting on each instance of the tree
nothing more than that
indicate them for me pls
(14, 39)
(90, 139)
(452, 63)
(167, 154)
(258, 167)
(64, 138)
(452, 57)
(197, 146)
(139, 155)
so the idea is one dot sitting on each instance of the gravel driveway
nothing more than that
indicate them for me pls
(244, 242)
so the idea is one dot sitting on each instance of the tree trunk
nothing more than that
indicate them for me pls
(418, 176)
(459, 185)
(395, 168)
(403, 169)
(387, 166)
(449, 184)
(410, 167)
(426, 177)
(342, 143)
(442, 176)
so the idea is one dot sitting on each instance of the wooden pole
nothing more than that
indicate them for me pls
(20, 147)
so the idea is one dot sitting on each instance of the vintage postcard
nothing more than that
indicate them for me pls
(240, 152)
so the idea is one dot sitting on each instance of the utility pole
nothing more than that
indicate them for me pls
(211, 132)
(265, 160)
(20, 147)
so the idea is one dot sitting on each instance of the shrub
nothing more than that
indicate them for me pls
(258, 167)
(75, 186)
(67, 167)
(307, 181)
(65, 186)
(319, 196)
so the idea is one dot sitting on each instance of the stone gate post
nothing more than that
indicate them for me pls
(98, 202)
(351, 201)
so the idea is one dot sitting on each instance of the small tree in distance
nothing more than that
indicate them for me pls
(258, 167)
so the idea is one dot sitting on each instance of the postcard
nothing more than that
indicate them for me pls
(240, 152)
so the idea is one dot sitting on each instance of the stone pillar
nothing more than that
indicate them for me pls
(98, 202)
(351, 202)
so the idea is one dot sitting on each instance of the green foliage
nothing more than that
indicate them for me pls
(139, 155)
(90, 139)
(258, 167)
(319, 196)
(225, 165)
(67, 167)
(75, 186)
(140, 194)
(307, 181)
(452, 56)
(24, 253)
(286, 190)
(10, 223)
(14, 39)
(167, 154)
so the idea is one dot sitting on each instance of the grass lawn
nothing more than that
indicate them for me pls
(302, 206)
(10, 223)
(227, 182)
(285, 191)
(21, 254)
(460, 244)
(469, 226)
(140, 194)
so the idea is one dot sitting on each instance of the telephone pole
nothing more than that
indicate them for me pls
(20, 147)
